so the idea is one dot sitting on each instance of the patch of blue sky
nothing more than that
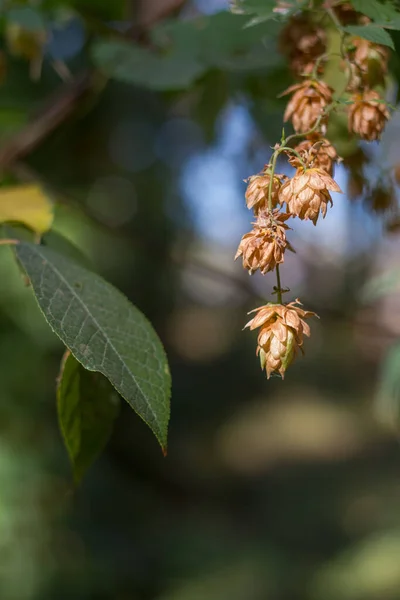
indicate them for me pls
(213, 188)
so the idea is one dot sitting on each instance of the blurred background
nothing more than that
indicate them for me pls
(270, 490)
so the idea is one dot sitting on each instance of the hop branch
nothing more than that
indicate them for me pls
(276, 198)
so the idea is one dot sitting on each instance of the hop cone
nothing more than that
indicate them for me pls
(307, 194)
(263, 248)
(368, 115)
(282, 328)
(307, 104)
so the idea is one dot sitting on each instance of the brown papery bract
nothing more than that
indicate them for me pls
(307, 104)
(317, 152)
(257, 191)
(264, 247)
(368, 63)
(303, 42)
(282, 327)
(368, 115)
(307, 194)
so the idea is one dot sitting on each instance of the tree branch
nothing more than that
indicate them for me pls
(57, 110)
(62, 105)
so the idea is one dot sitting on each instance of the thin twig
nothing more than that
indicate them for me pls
(8, 242)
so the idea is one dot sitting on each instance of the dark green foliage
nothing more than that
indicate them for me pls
(87, 407)
(103, 331)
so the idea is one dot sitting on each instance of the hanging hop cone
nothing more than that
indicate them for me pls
(368, 63)
(307, 194)
(368, 115)
(282, 328)
(316, 152)
(264, 247)
(303, 42)
(258, 189)
(307, 104)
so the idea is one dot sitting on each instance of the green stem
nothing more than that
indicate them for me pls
(313, 129)
(320, 58)
(343, 52)
(278, 285)
(271, 182)
(284, 147)
(334, 18)
(293, 151)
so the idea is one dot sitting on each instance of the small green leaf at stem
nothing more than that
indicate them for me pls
(372, 33)
(103, 330)
(383, 14)
(87, 407)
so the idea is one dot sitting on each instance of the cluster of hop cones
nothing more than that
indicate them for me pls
(276, 198)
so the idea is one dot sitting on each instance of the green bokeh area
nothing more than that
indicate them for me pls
(270, 490)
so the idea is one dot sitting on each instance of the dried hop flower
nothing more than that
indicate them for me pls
(263, 248)
(281, 334)
(258, 189)
(316, 152)
(307, 193)
(368, 115)
(307, 104)
(303, 42)
(370, 63)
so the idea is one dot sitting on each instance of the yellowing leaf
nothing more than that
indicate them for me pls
(26, 204)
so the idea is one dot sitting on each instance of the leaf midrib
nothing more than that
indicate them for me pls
(75, 295)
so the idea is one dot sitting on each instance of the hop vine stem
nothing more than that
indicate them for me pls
(284, 148)
(278, 285)
(271, 181)
(334, 18)
(331, 13)
(311, 106)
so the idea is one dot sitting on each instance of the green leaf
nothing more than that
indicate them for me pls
(106, 10)
(254, 6)
(87, 407)
(26, 17)
(56, 241)
(213, 39)
(188, 49)
(11, 121)
(134, 64)
(388, 395)
(372, 33)
(381, 285)
(382, 14)
(213, 95)
(103, 330)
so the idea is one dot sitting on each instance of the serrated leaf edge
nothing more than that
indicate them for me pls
(162, 439)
